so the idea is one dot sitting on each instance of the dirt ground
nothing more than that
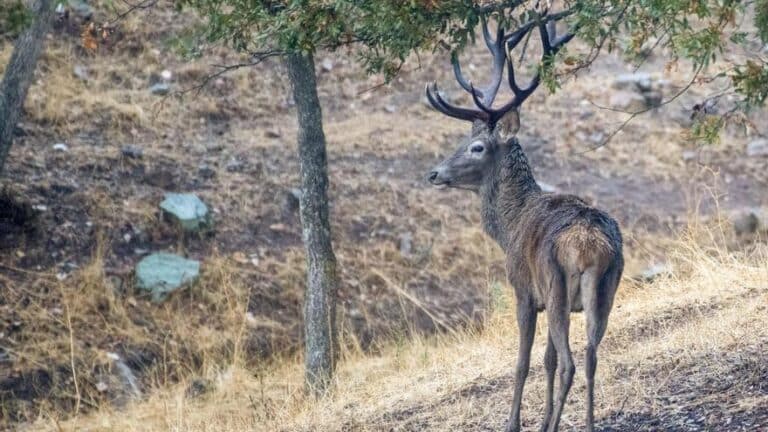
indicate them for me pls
(412, 259)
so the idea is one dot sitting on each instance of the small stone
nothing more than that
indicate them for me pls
(61, 147)
(746, 222)
(81, 72)
(757, 148)
(689, 155)
(81, 9)
(406, 244)
(188, 210)
(101, 386)
(635, 81)
(390, 109)
(198, 387)
(132, 152)
(327, 65)
(235, 165)
(272, 133)
(40, 207)
(205, 171)
(654, 272)
(291, 201)
(160, 88)
(546, 187)
(166, 75)
(162, 273)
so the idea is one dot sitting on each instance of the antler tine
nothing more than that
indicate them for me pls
(550, 45)
(440, 104)
(459, 76)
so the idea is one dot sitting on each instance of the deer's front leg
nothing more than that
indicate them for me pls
(526, 323)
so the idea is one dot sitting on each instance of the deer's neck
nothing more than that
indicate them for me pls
(506, 193)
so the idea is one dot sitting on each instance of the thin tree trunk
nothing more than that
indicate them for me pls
(320, 331)
(19, 72)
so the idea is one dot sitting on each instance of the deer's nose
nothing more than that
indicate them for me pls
(432, 176)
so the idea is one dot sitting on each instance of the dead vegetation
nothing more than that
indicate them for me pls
(414, 261)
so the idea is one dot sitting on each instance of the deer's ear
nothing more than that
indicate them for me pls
(507, 126)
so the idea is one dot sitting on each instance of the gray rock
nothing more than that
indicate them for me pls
(546, 187)
(628, 101)
(758, 147)
(188, 210)
(235, 165)
(272, 133)
(61, 147)
(132, 152)
(406, 244)
(291, 201)
(205, 171)
(160, 88)
(390, 108)
(654, 272)
(750, 221)
(81, 8)
(162, 273)
(81, 72)
(327, 65)
(636, 81)
(199, 387)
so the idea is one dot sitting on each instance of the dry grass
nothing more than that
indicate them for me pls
(713, 302)
(223, 328)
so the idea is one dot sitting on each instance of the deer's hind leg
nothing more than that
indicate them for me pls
(550, 364)
(558, 317)
(598, 291)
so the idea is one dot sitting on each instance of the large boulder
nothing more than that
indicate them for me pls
(162, 273)
(188, 210)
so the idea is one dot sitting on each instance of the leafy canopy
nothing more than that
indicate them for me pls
(384, 33)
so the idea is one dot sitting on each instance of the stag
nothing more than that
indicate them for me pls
(562, 255)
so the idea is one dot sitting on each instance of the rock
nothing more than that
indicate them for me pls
(635, 81)
(627, 101)
(758, 147)
(406, 244)
(291, 199)
(81, 72)
(546, 187)
(127, 383)
(235, 165)
(160, 88)
(162, 273)
(166, 75)
(327, 65)
(745, 223)
(81, 8)
(653, 272)
(689, 155)
(205, 171)
(61, 147)
(272, 133)
(390, 109)
(750, 221)
(132, 152)
(190, 212)
(653, 99)
(199, 387)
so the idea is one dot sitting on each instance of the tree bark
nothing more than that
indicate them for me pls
(20, 71)
(320, 329)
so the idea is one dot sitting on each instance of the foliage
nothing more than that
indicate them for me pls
(13, 17)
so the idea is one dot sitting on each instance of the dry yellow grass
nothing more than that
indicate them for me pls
(714, 301)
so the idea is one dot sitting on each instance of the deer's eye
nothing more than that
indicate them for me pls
(477, 148)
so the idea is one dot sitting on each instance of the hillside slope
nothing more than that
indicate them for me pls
(685, 352)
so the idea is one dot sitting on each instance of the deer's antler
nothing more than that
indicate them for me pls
(500, 49)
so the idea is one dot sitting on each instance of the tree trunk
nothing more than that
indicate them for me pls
(320, 331)
(20, 71)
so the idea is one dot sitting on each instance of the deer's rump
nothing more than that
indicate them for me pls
(571, 246)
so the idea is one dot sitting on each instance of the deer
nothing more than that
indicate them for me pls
(562, 255)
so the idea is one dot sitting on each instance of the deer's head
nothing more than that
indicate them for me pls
(492, 128)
